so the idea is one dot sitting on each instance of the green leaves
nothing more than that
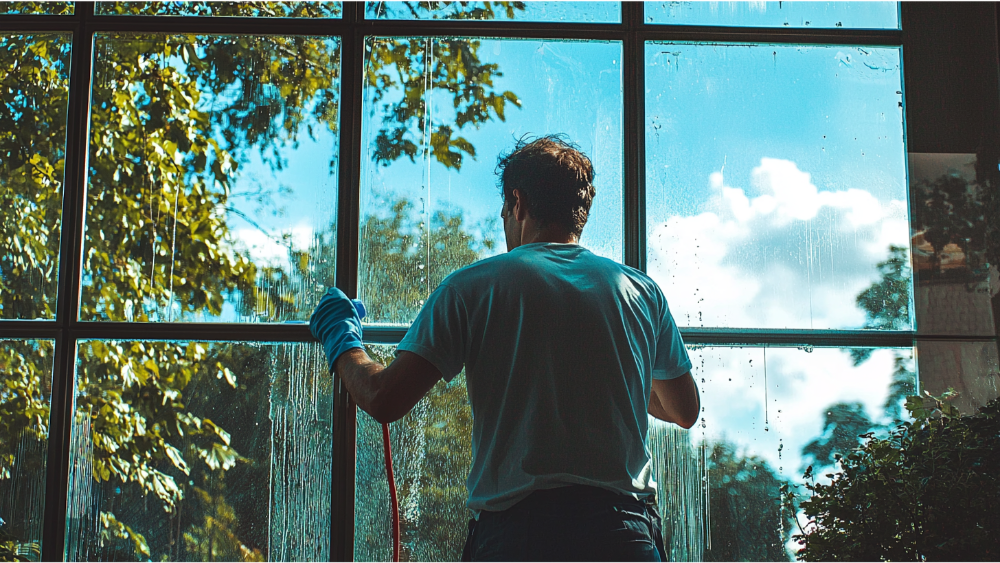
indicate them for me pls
(416, 68)
(930, 491)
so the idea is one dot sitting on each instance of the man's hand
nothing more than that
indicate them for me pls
(675, 400)
(336, 323)
(385, 393)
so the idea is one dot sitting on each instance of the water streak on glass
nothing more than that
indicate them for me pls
(437, 112)
(213, 177)
(37, 8)
(25, 396)
(832, 15)
(541, 11)
(767, 414)
(200, 451)
(776, 185)
(432, 453)
(223, 9)
(32, 145)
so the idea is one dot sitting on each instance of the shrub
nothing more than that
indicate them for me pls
(930, 491)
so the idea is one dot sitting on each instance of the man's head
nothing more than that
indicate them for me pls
(548, 179)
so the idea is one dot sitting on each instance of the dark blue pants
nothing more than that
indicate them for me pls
(574, 523)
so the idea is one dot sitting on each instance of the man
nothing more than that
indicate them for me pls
(564, 352)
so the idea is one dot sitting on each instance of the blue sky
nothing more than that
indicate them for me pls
(865, 15)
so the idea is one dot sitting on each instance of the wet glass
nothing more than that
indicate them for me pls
(432, 454)
(776, 192)
(970, 368)
(33, 148)
(767, 414)
(200, 451)
(437, 113)
(542, 11)
(25, 398)
(37, 8)
(847, 15)
(212, 189)
(223, 9)
(954, 282)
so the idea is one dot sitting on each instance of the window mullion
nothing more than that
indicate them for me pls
(60, 411)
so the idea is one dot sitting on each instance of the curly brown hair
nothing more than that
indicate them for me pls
(555, 178)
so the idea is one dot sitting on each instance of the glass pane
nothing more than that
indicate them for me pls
(37, 8)
(857, 15)
(776, 185)
(25, 396)
(240, 9)
(951, 216)
(432, 453)
(196, 451)
(768, 413)
(542, 11)
(32, 163)
(972, 369)
(437, 113)
(212, 193)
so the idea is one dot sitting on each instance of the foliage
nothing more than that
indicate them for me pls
(173, 119)
(215, 538)
(747, 520)
(403, 260)
(929, 491)
(446, 10)
(951, 210)
(417, 66)
(47, 7)
(34, 95)
(887, 302)
(843, 425)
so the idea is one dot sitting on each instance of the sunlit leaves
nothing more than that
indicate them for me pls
(414, 69)
(231, 9)
(48, 8)
(34, 92)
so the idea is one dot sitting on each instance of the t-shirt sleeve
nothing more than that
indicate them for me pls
(439, 334)
(672, 359)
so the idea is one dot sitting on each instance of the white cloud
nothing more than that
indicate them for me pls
(268, 250)
(800, 386)
(789, 256)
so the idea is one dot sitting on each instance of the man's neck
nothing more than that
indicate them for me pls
(531, 233)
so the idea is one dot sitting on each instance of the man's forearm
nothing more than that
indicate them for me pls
(386, 393)
(360, 375)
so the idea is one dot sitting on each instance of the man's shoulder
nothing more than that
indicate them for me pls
(478, 271)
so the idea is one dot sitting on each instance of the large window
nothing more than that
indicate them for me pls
(181, 181)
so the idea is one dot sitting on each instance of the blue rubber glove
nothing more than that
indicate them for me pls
(336, 323)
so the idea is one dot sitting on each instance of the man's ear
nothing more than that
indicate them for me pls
(520, 209)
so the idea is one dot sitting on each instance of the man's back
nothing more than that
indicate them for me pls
(559, 347)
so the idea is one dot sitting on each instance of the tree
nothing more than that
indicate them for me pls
(951, 210)
(843, 425)
(173, 119)
(747, 521)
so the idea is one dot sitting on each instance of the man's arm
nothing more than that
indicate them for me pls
(386, 393)
(675, 400)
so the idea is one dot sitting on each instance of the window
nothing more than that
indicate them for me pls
(813, 185)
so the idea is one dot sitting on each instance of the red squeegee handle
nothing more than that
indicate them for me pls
(392, 492)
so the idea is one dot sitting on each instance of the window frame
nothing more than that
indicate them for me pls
(633, 32)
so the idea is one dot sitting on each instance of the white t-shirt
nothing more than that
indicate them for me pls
(560, 347)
